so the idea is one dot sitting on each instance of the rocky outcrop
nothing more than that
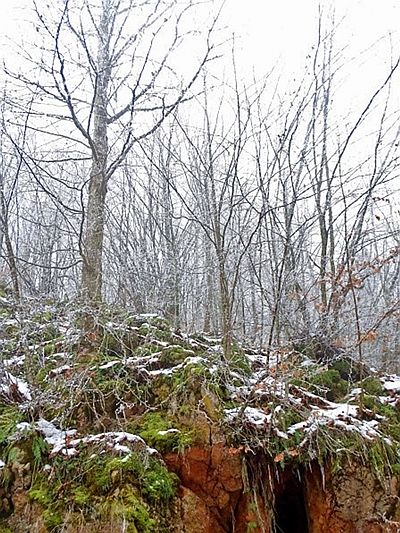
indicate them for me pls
(307, 499)
(140, 429)
(212, 475)
(352, 500)
(196, 516)
(223, 489)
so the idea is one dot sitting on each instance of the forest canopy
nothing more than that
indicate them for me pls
(140, 175)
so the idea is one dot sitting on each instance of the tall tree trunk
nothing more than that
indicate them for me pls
(91, 283)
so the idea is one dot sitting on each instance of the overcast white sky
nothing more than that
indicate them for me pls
(278, 28)
(284, 30)
(280, 33)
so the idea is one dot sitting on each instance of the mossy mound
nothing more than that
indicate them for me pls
(136, 489)
(132, 376)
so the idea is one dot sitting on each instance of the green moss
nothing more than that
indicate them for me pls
(159, 485)
(336, 387)
(10, 416)
(99, 474)
(104, 487)
(152, 478)
(195, 368)
(173, 355)
(239, 363)
(163, 335)
(118, 342)
(47, 497)
(155, 428)
(49, 349)
(145, 329)
(390, 424)
(81, 496)
(42, 494)
(43, 318)
(151, 323)
(372, 386)
(141, 518)
(211, 402)
(374, 404)
(128, 507)
(41, 375)
(203, 340)
(159, 322)
(146, 349)
(161, 388)
(52, 519)
(344, 367)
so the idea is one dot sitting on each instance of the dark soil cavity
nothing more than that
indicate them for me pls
(290, 510)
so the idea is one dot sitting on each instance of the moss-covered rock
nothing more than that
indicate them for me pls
(136, 488)
(136, 375)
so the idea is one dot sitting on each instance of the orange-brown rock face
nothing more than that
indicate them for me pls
(214, 475)
(196, 515)
(308, 500)
(212, 494)
(351, 501)
(252, 515)
(216, 497)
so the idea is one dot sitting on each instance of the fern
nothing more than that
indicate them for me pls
(39, 448)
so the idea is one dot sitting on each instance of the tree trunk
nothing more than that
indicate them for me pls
(91, 283)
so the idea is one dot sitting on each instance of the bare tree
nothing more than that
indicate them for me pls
(105, 79)
(211, 182)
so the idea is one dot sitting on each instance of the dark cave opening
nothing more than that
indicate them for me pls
(290, 509)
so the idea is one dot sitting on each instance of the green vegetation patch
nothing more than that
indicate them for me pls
(372, 386)
(10, 416)
(164, 434)
(136, 487)
(330, 383)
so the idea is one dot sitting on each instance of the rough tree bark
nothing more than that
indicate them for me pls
(92, 249)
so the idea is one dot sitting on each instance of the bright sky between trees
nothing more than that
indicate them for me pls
(271, 34)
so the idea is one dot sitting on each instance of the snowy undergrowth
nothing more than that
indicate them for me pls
(105, 386)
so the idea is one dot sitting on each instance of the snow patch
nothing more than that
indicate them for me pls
(340, 416)
(13, 382)
(57, 438)
(59, 370)
(62, 442)
(16, 360)
(110, 364)
(166, 432)
(392, 386)
(251, 415)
